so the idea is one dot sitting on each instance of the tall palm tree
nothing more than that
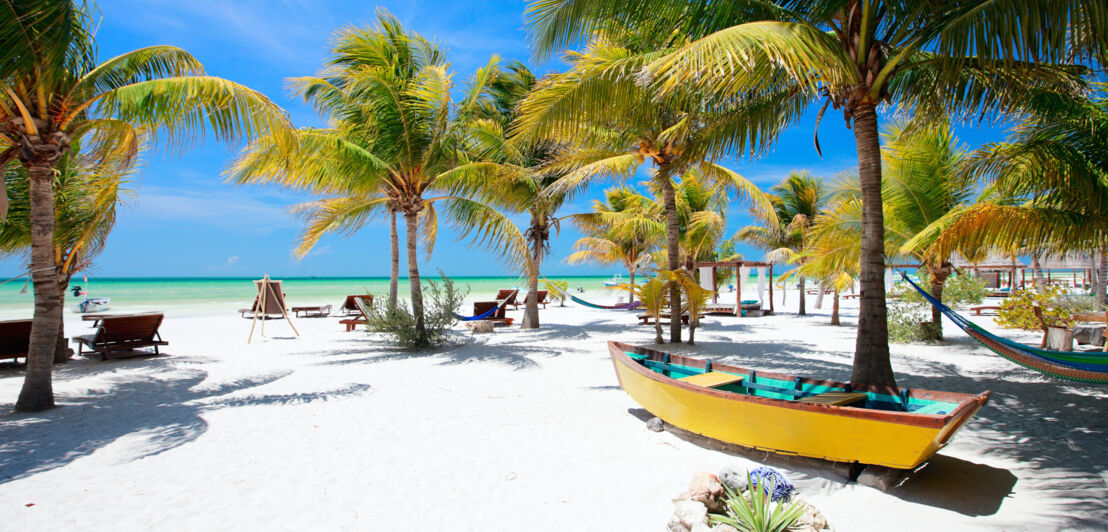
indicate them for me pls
(523, 185)
(620, 230)
(389, 91)
(87, 194)
(969, 58)
(798, 201)
(613, 124)
(1056, 162)
(53, 93)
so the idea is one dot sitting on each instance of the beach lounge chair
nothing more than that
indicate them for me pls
(350, 308)
(361, 304)
(508, 297)
(15, 338)
(497, 318)
(312, 312)
(541, 295)
(124, 332)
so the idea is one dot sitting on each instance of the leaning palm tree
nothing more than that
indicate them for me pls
(389, 91)
(798, 201)
(54, 93)
(971, 58)
(613, 124)
(1056, 161)
(87, 195)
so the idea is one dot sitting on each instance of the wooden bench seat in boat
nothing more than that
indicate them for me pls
(712, 379)
(835, 398)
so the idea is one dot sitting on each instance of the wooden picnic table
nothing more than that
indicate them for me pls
(977, 310)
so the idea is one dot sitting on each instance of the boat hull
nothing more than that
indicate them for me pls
(842, 434)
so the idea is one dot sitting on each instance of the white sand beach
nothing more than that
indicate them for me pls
(515, 430)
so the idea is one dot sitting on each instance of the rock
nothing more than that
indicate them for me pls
(701, 527)
(811, 521)
(479, 326)
(655, 424)
(722, 527)
(734, 478)
(706, 489)
(882, 478)
(687, 514)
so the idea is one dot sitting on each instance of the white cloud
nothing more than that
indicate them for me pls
(235, 210)
(226, 266)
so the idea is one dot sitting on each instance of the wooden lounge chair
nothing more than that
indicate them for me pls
(497, 319)
(15, 338)
(350, 308)
(125, 332)
(523, 302)
(312, 312)
(508, 297)
(977, 310)
(361, 304)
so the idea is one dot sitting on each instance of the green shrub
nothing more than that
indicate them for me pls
(1018, 310)
(958, 290)
(556, 291)
(754, 511)
(906, 322)
(441, 303)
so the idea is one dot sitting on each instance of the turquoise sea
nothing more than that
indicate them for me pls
(209, 295)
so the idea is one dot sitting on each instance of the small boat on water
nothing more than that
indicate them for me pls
(93, 304)
(792, 415)
(616, 279)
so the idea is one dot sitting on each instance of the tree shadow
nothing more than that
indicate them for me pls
(157, 411)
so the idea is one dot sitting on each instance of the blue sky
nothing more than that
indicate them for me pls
(184, 220)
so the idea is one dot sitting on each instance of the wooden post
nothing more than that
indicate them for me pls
(771, 291)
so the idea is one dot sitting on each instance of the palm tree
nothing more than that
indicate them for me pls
(388, 90)
(833, 253)
(1056, 161)
(54, 93)
(654, 296)
(87, 194)
(926, 57)
(613, 124)
(620, 231)
(798, 201)
(522, 185)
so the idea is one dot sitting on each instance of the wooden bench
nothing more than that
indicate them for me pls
(851, 296)
(123, 332)
(712, 379)
(15, 338)
(977, 310)
(834, 398)
(647, 319)
(312, 312)
(350, 307)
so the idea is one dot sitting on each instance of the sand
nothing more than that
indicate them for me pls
(516, 430)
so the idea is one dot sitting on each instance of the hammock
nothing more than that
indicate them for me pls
(1062, 364)
(487, 313)
(622, 306)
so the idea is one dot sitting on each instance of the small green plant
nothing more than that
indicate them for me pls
(906, 321)
(1018, 310)
(442, 301)
(754, 510)
(958, 290)
(557, 290)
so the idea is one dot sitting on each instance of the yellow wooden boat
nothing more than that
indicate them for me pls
(793, 415)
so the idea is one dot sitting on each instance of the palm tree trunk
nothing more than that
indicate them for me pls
(938, 282)
(631, 291)
(411, 219)
(1036, 269)
(871, 352)
(803, 298)
(38, 393)
(62, 352)
(531, 310)
(819, 296)
(835, 309)
(394, 257)
(673, 251)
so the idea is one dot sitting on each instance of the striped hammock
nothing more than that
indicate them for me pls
(623, 306)
(1082, 367)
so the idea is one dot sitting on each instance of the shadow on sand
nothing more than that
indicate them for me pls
(162, 408)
